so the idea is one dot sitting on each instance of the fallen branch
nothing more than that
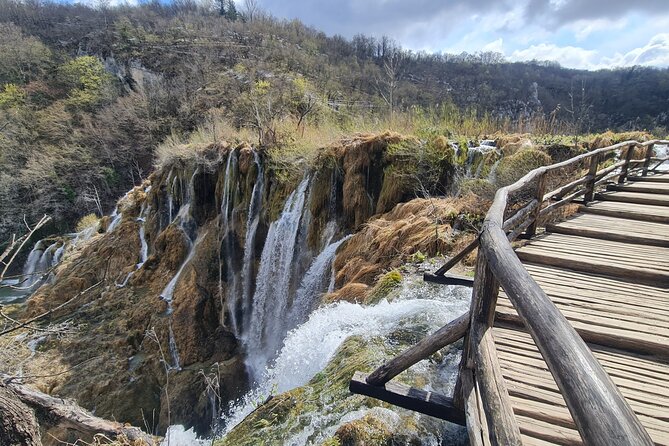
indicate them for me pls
(43, 315)
(21, 242)
(70, 415)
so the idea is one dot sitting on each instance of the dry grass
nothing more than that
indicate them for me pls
(388, 241)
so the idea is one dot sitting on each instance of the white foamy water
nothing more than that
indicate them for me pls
(308, 348)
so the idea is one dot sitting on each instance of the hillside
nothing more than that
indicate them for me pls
(90, 93)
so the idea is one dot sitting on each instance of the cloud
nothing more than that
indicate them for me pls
(654, 54)
(496, 46)
(557, 13)
(567, 56)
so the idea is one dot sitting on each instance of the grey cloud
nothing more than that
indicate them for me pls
(550, 15)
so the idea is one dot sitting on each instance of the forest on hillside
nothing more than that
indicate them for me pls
(88, 94)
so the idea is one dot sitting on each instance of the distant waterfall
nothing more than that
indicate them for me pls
(249, 243)
(187, 225)
(268, 324)
(228, 233)
(40, 260)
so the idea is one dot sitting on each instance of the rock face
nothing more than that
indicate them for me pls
(157, 343)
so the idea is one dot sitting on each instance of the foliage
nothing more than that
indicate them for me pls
(87, 81)
(513, 167)
(12, 96)
(86, 222)
(74, 111)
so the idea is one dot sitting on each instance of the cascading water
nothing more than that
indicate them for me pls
(308, 349)
(228, 233)
(249, 241)
(315, 280)
(186, 225)
(267, 325)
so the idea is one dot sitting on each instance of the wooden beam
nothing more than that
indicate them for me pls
(592, 178)
(642, 190)
(428, 346)
(428, 403)
(469, 396)
(623, 214)
(626, 167)
(458, 257)
(652, 179)
(480, 356)
(646, 164)
(449, 279)
(631, 274)
(606, 235)
(631, 199)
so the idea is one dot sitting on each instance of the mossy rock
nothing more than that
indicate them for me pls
(384, 286)
(327, 398)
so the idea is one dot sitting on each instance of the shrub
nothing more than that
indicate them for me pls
(87, 221)
(512, 168)
(479, 187)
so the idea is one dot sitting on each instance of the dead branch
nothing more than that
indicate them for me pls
(70, 415)
(43, 315)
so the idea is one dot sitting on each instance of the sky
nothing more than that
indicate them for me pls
(587, 34)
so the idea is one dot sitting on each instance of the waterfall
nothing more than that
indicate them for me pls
(267, 323)
(314, 282)
(30, 267)
(228, 231)
(144, 246)
(116, 220)
(308, 348)
(41, 259)
(249, 243)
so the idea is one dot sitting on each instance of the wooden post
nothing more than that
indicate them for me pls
(541, 190)
(479, 355)
(626, 167)
(592, 179)
(649, 155)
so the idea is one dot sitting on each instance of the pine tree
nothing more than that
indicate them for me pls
(221, 10)
(231, 13)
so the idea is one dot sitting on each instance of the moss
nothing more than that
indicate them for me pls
(367, 431)
(479, 187)
(512, 168)
(384, 286)
(286, 414)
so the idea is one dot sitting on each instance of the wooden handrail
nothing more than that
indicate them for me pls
(600, 412)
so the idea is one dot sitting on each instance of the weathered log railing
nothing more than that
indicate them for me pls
(601, 414)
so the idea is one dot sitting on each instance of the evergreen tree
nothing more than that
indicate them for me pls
(231, 13)
(221, 9)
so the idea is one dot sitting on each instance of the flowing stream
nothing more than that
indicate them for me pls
(307, 349)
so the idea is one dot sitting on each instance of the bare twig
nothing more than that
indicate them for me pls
(45, 219)
(43, 315)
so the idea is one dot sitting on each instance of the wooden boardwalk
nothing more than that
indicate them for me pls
(567, 338)
(607, 270)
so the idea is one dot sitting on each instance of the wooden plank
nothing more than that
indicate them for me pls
(635, 274)
(643, 189)
(633, 197)
(607, 235)
(449, 279)
(428, 403)
(658, 178)
(630, 211)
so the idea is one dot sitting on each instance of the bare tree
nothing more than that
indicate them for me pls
(392, 69)
(251, 8)
(579, 110)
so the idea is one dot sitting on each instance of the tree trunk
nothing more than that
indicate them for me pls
(18, 425)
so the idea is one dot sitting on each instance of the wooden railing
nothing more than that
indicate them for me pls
(601, 414)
